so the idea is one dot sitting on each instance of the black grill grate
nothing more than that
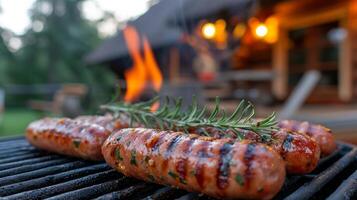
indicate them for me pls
(27, 173)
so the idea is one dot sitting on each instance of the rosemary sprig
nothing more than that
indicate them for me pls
(174, 118)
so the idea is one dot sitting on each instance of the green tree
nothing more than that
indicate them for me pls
(55, 44)
(53, 49)
(7, 58)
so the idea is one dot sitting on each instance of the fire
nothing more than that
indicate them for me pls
(145, 69)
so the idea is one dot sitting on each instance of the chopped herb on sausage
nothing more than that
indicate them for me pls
(117, 154)
(183, 181)
(175, 176)
(133, 158)
(76, 143)
(193, 173)
(172, 174)
(240, 179)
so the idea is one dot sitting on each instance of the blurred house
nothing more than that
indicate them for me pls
(262, 48)
(316, 35)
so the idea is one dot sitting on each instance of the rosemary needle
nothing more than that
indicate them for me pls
(174, 118)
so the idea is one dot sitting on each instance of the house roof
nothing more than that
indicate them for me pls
(160, 25)
(198, 9)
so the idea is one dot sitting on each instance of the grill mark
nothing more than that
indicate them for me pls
(248, 157)
(199, 174)
(157, 143)
(188, 147)
(287, 142)
(225, 157)
(181, 168)
(171, 146)
(181, 165)
(200, 166)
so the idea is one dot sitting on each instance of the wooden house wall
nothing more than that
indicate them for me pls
(298, 14)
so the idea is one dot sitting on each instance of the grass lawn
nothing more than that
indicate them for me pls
(14, 121)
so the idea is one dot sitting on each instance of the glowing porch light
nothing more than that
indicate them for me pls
(208, 30)
(261, 30)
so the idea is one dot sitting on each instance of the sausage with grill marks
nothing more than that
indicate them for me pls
(68, 137)
(222, 168)
(321, 134)
(300, 152)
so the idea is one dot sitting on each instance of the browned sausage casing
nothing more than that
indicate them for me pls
(321, 134)
(106, 121)
(300, 152)
(222, 168)
(68, 137)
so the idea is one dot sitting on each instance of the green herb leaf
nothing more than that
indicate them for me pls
(183, 181)
(240, 179)
(117, 154)
(193, 173)
(175, 118)
(76, 143)
(133, 158)
(172, 174)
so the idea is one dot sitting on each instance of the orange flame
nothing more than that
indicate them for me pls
(145, 69)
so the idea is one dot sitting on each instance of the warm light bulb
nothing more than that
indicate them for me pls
(261, 30)
(208, 30)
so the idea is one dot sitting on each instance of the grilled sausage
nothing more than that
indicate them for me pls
(321, 134)
(222, 168)
(107, 121)
(300, 152)
(68, 137)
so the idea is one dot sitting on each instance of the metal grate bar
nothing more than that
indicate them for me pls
(309, 189)
(52, 190)
(133, 192)
(28, 161)
(190, 196)
(52, 179)
(326, 162)
(26, 173)
(31, 167)
(41, 172)
(17, 149)
(10, 141)
(12, 138)
(16, 153)
(22, 157)
(165, 193)
(96, 190)
(347, 189)
(13, 144)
